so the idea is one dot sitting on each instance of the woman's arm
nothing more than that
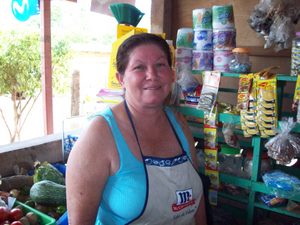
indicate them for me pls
(200, 216)
(88, 168)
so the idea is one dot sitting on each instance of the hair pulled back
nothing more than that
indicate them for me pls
(136, 40)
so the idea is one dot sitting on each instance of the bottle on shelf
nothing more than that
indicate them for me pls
(295, 57)
(241, 62)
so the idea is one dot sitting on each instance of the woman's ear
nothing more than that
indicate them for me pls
(120, 79)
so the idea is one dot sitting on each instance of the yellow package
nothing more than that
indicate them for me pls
(210, 137)
(211, 158)
(113, 82)
(297, 90)
(123, 29)
(244, 90)
(214, 178)
(267, 115)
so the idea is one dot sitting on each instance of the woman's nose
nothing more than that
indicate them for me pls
(151, 73)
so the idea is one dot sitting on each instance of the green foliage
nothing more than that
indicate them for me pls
(61, 55)
(20, 73)
(20, 64)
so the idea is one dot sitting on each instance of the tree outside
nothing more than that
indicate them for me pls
(20, 72)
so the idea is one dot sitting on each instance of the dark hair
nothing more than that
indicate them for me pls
(136, 40)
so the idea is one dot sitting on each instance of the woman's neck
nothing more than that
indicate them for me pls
(146, 114)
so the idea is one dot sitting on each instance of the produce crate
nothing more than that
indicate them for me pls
(43, 218)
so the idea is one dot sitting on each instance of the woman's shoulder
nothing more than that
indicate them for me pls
(101, 125)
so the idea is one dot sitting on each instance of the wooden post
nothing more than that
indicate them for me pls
(75, 93)
(46, 67)
(161, 12)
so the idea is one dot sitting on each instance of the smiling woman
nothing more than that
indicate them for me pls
(140, 150)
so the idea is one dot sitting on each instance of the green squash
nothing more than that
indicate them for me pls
(47, 192)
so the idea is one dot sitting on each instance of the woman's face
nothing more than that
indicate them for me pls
(148, 77)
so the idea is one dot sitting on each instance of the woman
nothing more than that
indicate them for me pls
(135, 164)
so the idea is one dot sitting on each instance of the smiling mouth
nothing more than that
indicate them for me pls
(152, 88)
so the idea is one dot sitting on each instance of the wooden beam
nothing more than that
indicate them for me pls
(161, 17)
(46, 70)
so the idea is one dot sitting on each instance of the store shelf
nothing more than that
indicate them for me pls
(222, 117)
(281, 210)
(254, 185)
(286, 77)
(248, 184)
(238, 198)
(261, 187)
(191, 111)
(237, 181)
(280, 77)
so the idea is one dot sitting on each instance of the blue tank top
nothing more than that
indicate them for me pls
(125, 192)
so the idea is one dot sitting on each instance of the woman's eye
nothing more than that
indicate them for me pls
(159, 65)
(139, 67)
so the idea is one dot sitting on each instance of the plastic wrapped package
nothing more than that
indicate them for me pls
(208, 97)
(274, 20)
(281, 34)
(272, 200)
(230, 137)
(284, 146)
(282, 184)
(187, 81)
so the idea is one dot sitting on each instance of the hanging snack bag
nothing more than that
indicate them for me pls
(208, 97)
(210, 136)
(296, 105)
(214, 178)
(248, 106)
(245, 86)
(267, 107)
(211, 158)
(230, 137)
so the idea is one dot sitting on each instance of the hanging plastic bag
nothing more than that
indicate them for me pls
(275, 21)
(230, 137)
(284, 146)
(187, 81)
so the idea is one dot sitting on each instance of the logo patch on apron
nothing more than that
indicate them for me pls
(184, 199)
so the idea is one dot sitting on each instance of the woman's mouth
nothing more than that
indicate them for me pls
(152, 88)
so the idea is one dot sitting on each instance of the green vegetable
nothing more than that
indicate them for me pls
(47, 192)
(45, 171)
(61, 209)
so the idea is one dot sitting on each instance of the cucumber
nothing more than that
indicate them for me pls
(47, 192)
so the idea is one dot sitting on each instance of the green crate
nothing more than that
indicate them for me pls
(43, 218)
